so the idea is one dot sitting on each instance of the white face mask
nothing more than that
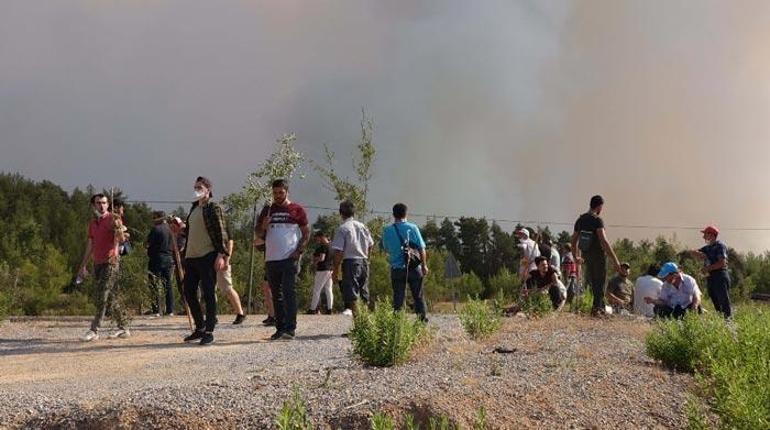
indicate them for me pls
(97, 213)
(199, 194)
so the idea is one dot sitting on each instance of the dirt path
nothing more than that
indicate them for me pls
(566, 372)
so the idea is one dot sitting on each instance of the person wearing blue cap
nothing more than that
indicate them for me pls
(679, 294)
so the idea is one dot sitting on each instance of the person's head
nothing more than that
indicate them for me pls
(158, 217)
(596, 204)
(177, 225)
(710, 234)
(522, 233)
(203, 188)
(542, 264)
(546, 240)
(399, 211)
(100, 204)
(347, 209)
(320, 237)
(567, 247)
(625, 269)
(118, 207)
(653, 269)
(280, 191)
(670, 273)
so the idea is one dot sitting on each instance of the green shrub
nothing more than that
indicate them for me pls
(479, 319)
(732, 361)
(293, 414)
(380, 421)
(383, 337)
(505, 282)
(467, 285)
(536, 304)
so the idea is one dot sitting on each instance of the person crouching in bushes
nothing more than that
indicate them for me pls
(679, 294)
(545, 279)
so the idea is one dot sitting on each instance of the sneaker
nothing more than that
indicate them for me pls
(269, 321)
(207, 338)
(194, 336)
(170, 314)
(277, 335)
(89, 336)
(347, 312)
(327, 312)
(239, 319)
(287, 335)
(311, 312)
(120, 334)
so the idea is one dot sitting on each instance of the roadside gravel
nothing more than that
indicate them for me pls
(565, 372)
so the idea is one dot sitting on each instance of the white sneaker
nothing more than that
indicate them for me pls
(120, 334)
(347, 312)
(89, 336)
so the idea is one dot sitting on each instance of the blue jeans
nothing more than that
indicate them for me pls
(355, 281)
(282, 277)
(399, 278)
(200, 272)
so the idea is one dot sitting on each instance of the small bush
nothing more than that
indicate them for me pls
(479, 319)
(731, 360)
(536, 304)
(293, 415)
(383, 337)
(380, 421)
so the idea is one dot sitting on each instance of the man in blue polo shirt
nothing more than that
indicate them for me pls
(395, 239)
(714, 255)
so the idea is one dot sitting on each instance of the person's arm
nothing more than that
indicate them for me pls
(696, 253)
(336, 264)
(720, 264)
(317, 258)
(89, 246)
(302, 242)
(261, 227)
(230, 248)
(608, 248)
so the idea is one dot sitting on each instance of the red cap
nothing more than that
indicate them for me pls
(711, 229)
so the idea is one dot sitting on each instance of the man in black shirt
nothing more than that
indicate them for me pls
(545, 279)
(161, 261)
(323, 274)
(590, 244)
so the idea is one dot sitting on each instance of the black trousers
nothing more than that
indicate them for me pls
(199, 273)
(718, 286)
(597, 278)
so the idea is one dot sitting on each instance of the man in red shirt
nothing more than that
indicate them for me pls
(105, 232)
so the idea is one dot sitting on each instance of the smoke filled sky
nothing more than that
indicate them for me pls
(513, 110)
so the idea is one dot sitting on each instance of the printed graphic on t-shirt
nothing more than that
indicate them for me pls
(283, 231)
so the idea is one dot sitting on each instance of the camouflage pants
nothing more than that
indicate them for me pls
(107, 295)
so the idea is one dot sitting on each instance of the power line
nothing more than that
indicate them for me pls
(498, 220)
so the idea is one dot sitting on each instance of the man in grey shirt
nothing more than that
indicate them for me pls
(351, 245)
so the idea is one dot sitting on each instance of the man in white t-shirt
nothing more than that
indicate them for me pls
(679, 294)
(352, 244)
(647, 286)
(285, 229)
(529, 251)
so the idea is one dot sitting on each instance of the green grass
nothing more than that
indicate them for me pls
(479, 318)
(731, 362)
(536, 304)
(383, 337)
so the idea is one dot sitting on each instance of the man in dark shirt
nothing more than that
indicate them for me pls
(714, 255)
(545, 278)
(160, 248)
(323, 274)
(590, 244)
(620, 290)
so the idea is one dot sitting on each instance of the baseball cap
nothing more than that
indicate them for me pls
(523, 231)
(668, 269)
(711, 229)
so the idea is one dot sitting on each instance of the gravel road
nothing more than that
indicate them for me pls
(565, 372)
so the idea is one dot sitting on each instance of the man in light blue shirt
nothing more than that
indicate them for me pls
(396, 238)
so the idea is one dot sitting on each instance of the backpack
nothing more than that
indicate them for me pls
(410, 251)
(585, 240)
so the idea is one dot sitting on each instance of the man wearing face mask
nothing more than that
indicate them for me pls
(284, 226)
(105, 232)
(205, 254)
